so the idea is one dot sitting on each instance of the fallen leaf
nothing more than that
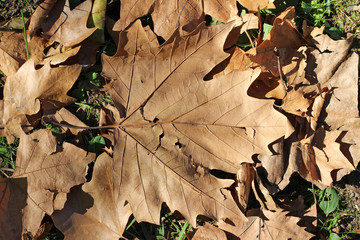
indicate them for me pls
(223, 11)
(50, 172)
(66, 26)
(13, 51)
(285, 37)
(32, 89)
(179, 127)
(209, 232)
(12, 201)
(328, 57)
(269, 225)
(39, 16)
(255, 5)
(94, 211)
(342, 104)
(169, 15)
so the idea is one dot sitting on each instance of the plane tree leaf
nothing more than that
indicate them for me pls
(178, 128)
(50, 171)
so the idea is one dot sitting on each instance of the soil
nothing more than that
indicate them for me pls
(12, 8)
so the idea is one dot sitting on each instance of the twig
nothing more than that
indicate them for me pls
(277, 53)
(251, 42)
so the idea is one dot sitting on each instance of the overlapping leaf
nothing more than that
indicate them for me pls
(184, 127)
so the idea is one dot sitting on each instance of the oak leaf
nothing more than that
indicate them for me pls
(178, 127)
(50, 172)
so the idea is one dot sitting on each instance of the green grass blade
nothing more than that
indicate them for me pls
(25, 35)
(183, 229)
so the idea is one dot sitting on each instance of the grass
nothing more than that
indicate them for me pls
(336, 215)
(7, 157)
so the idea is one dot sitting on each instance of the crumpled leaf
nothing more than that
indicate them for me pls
(94, 210)
(66, 26)
(285, 37)
(183, 126)
(31, 88)
(50, 173)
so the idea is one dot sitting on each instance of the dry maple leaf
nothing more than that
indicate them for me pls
(179, 127)
(50, 172)
(66, 26)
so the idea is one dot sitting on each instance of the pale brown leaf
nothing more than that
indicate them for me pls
(178, 127)
(94, 211)
(31, 89)
(269, 225)
(66, 26)
(255, 5)
(209, 232)
(50, 172)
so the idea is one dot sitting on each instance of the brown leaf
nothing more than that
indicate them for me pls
(95, 211)
(13, 51)
(255, 5)
(244, 178)
(209, 232)
(39, 16)
(223, 11)
(342, 103)
(285, 37)
(66, 26)
(130, 11)
(25, 90)
(330, 55)
(50, 173)
(269, 225)
(12, 201)
(178, 127)
(326, 157)
(169, 15)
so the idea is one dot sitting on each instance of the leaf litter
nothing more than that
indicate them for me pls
(288, 105)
